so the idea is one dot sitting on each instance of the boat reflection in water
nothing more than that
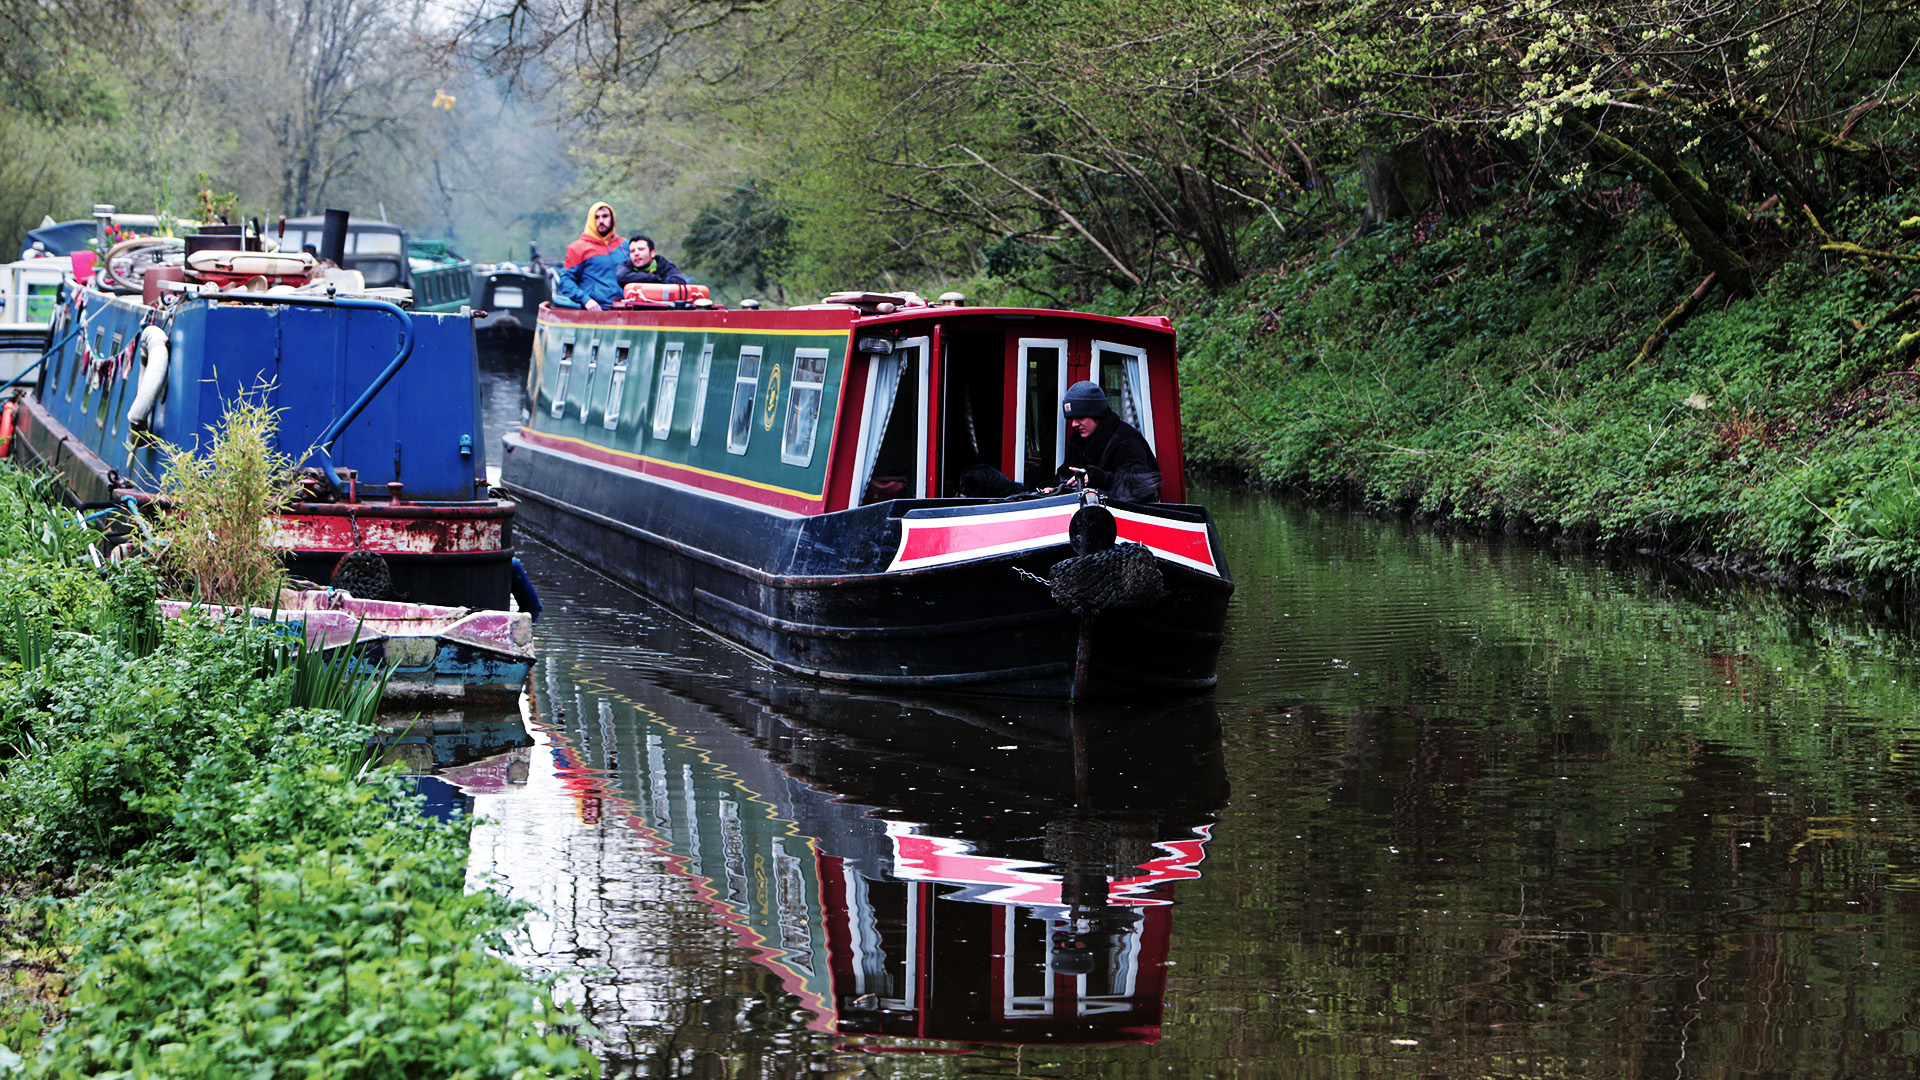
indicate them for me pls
(452, 755)
(965, 871)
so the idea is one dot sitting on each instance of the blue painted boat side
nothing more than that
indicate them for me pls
(310, 363)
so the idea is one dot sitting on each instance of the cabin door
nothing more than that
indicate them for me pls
(892, 459)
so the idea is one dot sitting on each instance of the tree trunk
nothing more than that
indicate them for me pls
(1397, 183)
(1733, 270)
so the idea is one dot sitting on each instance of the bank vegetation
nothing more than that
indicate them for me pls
(204, 872)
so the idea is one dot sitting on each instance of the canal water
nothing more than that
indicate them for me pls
(1459, 808)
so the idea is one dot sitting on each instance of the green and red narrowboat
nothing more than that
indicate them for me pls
(790, 479)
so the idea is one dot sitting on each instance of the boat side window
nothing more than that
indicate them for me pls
(560, 384)
(1041, 438)
(617, 385)
(1122, 372)
(669, 387)
(586, 392)
(371, 242)
(746, 383)
(700, 395)
(803, 405)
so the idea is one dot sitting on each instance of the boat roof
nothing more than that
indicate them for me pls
(831, 316)
(67, 237)
(319, 221)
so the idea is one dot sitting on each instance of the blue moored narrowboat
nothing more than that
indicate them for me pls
(382, 403)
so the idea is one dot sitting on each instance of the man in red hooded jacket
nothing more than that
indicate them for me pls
(590, 275)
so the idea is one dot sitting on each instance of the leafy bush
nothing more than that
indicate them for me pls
(260, 905)
(112, 734)
(324, 931)
(216, 519)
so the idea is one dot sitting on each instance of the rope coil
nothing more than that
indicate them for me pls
(1122, 576)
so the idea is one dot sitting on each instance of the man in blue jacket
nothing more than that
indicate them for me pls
(591, 277)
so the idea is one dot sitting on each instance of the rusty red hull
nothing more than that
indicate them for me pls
(456, 554)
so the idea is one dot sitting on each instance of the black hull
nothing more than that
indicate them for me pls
(981, 626)
(504, 344)
(479, 579)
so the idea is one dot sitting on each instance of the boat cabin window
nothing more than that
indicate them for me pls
(375, 242)
(700, 395)
(376, 250)
(586, 392)
(1121, 370)
(508, 296)
(746, 383)
(560, 384)
(803, 405)
(1043, 377)
(617, 385)
(669, 387)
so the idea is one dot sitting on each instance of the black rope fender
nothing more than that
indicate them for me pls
(1122, 576)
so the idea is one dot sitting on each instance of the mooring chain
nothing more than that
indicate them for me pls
(1033, 577)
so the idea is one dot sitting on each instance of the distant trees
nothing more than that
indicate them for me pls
(319, 90)
(1091, 143)
(293, 104)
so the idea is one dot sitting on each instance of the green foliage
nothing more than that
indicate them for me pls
(741, 240)
(33, 523)
(1487, 370)
(113, 734)
(262, 903)
(217, 504)
(324, 931)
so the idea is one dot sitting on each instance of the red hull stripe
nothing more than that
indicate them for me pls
(940, 859)
(939, 541)
(414, 536)
(1185, 542)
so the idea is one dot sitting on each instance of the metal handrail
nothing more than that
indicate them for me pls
(323, 447)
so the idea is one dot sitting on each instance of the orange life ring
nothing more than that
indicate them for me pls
(659, 293)
(6, 426)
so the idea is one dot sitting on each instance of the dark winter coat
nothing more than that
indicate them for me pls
(1117, 460)
(658, 272)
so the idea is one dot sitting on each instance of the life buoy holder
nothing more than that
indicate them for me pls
(153, 377)
(250, 263)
